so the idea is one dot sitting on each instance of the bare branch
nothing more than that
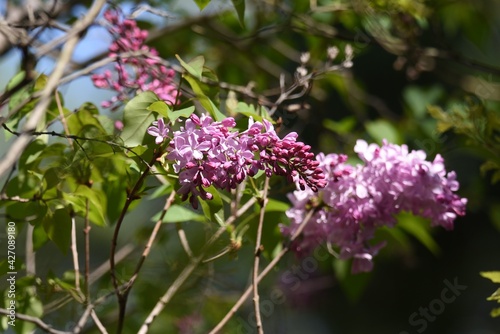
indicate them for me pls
(258, 250)
(186, 272)
(40, 109)
(263, 274)
(36, 321)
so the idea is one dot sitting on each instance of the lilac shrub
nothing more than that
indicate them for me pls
(133, 74)
(359, 199)
(205, 153)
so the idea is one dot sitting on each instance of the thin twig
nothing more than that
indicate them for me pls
(83, 319)
(183, 239)
(263, 274)
(103, 62)
(30, 253)
(34, 320)
(94, 276)
(63, 119)
(149, 244)
(186, 272)
(40, 109)
(98, 322)
(86, 234)
(76, 138)
(258, 250)
(131, 196)
(74, 253)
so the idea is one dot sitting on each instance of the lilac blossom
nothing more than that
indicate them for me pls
(158, 130)
(359, 199)
(133, 74)
(204, 153)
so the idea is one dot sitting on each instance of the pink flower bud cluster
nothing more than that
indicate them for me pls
(133, 74)
(359, 199)
(206, 153)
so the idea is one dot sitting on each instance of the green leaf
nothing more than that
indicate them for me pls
(52, 177)
(162, 190)
(162, 108)
(83, 121)
(495, 312)
(33, 212)
(212, 207)
(248, 110)
(116, 196)
(179, 214)
(239, 5)
(344, 126)
(137, 118)
(202, 3)
(495, 296)
(57, 225)
(205, 102)
(494, 276)
(417, 227)
(186, 112)
(382, 129)
(40, 237)
(353, 285)
(29, 305)
(275, 205)
(194, 66)
(17, 98)
(418, 98)
(97, 204)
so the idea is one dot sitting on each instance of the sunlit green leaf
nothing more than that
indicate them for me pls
(202, 3)
(495, 312)
(137, 118)
(82, 121)
(40, 237)
(248, 110)
(212, 207)
(194, 66)
(275, 205)
(185, 113)
(205, 102)
(97, 204)
(495, 296)
(162, 108)
(494, 276)
(382, 129)
(178, 214)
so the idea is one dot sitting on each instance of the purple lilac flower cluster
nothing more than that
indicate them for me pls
(133, 73)
(205, 153)
(359, 199)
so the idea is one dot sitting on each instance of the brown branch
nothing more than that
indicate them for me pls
(131, 196)
(263, 274)
(36, 321)
(149, 244)
(257, 252)
(40, 108)
(186, 272)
